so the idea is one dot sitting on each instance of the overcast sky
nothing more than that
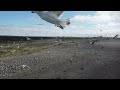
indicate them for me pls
(83, 23)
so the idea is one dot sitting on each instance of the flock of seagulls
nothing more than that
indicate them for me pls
(53, 18)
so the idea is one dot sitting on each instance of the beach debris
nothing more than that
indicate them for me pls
(25, 66)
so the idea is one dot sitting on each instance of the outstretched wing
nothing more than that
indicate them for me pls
(57, 13)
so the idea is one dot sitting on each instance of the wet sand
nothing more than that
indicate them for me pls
(67, 61)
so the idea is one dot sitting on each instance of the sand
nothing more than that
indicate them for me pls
(66, 61)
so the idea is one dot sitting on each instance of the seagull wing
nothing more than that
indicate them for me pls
(57, 13)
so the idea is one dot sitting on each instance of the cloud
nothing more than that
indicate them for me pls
(52, 31)
(108, 21)
(21, 30)
(35, 30)
(100, 17)
(81, 25)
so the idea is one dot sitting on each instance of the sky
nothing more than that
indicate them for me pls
(83, 24)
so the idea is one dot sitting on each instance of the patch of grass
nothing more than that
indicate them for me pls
(11, 50)
(24, 48)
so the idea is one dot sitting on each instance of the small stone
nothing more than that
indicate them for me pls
(18, 47)
(58, 78)
(35, 58)
(42, 69)
(71, 60)
(95, 53)
(73, 55)
(81, 68)
(23, 66)
(64, 71)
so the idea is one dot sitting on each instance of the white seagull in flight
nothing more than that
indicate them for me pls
(53, 17)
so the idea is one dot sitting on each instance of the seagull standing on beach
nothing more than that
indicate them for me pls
(53, 17)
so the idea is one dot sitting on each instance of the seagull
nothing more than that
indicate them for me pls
(28, 39)
(115, 36)
(53, 17)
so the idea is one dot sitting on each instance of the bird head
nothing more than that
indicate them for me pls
(33, 12)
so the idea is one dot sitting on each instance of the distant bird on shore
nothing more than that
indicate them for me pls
(94, 42)
(53, 17)
(28, 39)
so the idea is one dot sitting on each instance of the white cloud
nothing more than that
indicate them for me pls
(99, 18)
(108, 21)
(45, 31)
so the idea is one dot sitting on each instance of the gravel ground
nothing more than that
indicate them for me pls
(66, 61)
